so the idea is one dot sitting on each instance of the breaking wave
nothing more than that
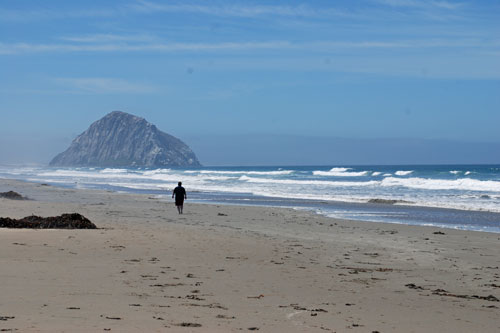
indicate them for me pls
(307, 182)
(403, 173)
(461, 187)
(467, 184)
(263, 173)
(341, 172)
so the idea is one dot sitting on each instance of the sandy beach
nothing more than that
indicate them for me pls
(236, 268)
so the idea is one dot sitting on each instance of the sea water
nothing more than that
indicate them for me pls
(454, 196)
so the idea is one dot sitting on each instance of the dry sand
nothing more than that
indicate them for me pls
(233, 268)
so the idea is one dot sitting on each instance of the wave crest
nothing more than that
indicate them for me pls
(307, 182)
(467, 184)
(263, 173)
(340, 172)
(403, 172)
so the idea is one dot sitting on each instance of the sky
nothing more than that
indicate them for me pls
(258, 82)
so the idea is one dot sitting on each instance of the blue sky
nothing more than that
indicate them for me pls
(212, 71)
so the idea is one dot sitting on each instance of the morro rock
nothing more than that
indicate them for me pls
(124, 140)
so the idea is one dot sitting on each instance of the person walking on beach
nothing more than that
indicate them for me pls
(180, 194)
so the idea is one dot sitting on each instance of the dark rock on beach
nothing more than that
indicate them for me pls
(123, 140)
(64, 221)
(189, 325)
(387, 201)
(12, 195)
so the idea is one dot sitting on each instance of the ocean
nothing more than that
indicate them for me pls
(450, 196)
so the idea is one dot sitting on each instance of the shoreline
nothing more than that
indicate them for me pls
(6, 184)
(470, 189)
(231, 268)
(378, 206)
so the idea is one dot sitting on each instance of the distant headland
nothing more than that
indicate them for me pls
(120, 139)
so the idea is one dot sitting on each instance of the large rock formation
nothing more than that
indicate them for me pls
(124, 140)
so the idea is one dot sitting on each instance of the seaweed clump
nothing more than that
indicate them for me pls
(64, 221)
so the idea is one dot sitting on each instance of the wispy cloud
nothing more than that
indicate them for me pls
(151, 7)
(415, 66)
(427, 9)
(363, 12)
(17, 48)
(51, 14)
(236, 10)
(101, 85)
(421, 4)
(106, 38)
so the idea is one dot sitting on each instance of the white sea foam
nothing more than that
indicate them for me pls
(467, 173)
(463, 193)
(164, 175)
(455, 172)
(84, 174)
(168, 176)
(156, 171)
(145, 186)
(377, 218)
(48, 180)
(18, 171)
(112, 171)
(307, 182)
(467, 184)
(263, 173)
(403, 173)
(340, 172)
(340, 169)
(197, 178)
(280, 192)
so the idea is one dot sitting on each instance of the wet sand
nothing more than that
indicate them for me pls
(234, 268)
